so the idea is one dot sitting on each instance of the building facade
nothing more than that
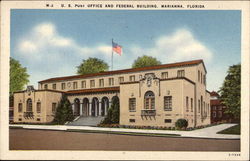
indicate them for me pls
(217, 109)
(149, 96)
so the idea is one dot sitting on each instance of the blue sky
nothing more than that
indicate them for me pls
(51, 43)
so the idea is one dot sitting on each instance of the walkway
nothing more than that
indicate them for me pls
(209, 132)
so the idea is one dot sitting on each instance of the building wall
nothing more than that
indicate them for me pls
(46, 98)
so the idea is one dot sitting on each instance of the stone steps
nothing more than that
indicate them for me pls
(87, 121)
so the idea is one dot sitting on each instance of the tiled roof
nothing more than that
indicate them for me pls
(94, 90)
(179, 64)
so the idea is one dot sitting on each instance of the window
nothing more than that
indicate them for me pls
(214, 114)
(46, 86)
(131, 120)
(168, 120)
(149, 100)
(74, 85)
(54, 86)
(83, 84)
(168, 103)
(132, 78)
(20, 107)
(111, 81)
(101, 82)
(53, 107)
(199, 106)
(180, 73)
(198, 75)
(220, 114)
(63, 86)
(201, 77)
(186, 103)
(132, 104)
(19, 119)
(191, 100)
(208, 108)
(92, 83)
(121, 79)
(38, 107)
(29, 105)
(164, 75)
(38, 119)
(204, 79)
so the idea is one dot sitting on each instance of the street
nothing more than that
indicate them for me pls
(23, 139)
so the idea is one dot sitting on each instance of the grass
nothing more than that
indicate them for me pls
(123, 133)
(235, 130)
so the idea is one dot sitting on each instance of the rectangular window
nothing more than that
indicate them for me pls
(46, 86)
(198, 75)
(208, 109)
(201, 77)
(38, 119)
(38, 107)
(111, 81)
(20, 107)
(214, 114)
(54, 86)
(164, 75)
(186, 103)
(191, 100)
(180, 73)
(132, 104)
(168, 103)
(168, 120)
(147, 103)
(132, 78)
(101, 82)
(204, 79)
(121, 79)
(63, 86)
(131, 120)
(53, 107)
(74, 85)
(83, 84)
(92, 83)
(19, 119)
(199, 106)
(220, 114)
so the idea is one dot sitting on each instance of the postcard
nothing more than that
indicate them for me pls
(125, 80)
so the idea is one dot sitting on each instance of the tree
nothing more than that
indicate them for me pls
(113, 115)
(64, 112)
(230, 91)
(181, 123)
(145, 61)
(92, 65)
(18, 76)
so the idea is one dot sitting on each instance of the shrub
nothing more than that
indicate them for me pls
(181, 123)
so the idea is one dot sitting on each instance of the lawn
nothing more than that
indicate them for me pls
(235, 130)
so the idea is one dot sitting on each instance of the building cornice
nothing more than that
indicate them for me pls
(93, 90)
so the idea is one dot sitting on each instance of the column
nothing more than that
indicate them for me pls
(105, 107)
(81, 104)
(90, 106)
(100, 108)
(96, 106)
(73, 107)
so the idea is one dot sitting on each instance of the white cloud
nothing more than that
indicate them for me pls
(179, 46)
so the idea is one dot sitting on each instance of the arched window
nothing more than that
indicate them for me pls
(149, 100)
(29, 105)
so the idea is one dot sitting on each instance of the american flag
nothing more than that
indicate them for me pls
(117, 48)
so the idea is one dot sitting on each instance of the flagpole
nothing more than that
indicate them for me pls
(112, 56)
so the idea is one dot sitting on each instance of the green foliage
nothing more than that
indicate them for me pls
(235, 130)
(18, 76)
(113, 115)
(64, 112)
(92, 65)
(181, 123)
(145, 61)
(230, 91)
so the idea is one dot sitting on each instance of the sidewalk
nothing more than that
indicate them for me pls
(209, 132)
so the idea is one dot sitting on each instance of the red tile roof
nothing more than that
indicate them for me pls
(179, 64)
(94, 90)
